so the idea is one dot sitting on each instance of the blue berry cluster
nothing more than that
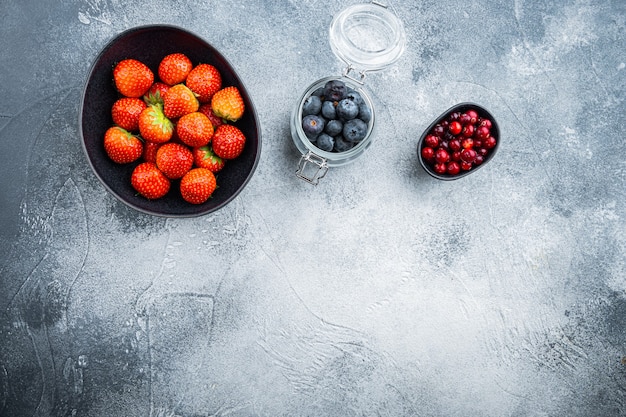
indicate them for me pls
(335, 117)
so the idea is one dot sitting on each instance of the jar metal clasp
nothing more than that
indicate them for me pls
(311, 168)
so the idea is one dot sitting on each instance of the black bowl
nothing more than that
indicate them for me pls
(462, 107)
(149, 44)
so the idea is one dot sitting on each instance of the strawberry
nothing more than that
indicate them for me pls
(197, 185)
(132, 78)
(228, 104)
(125, 113)
(204, 80)
(204, 157)
(178, 101)
(154, 126)
(208, 112)
(194, 129)
(228, 141)
(174, 160)
(148, 181)
(121, 145)
(150, 151)
(155, 94)
(173, 69)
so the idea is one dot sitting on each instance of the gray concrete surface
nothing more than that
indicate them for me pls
(380, 292)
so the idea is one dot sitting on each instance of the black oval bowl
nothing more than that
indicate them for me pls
(150, 44)
(461, 107)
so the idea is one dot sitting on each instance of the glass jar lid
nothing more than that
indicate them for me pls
(367, 37)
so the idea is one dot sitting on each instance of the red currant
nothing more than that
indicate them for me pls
(466, 166)
(456, 156)
(464, 118)
(439, 130)
(478, 160)
(485, 122)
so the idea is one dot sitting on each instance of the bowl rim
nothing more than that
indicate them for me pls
(109, 43)
(482, 111)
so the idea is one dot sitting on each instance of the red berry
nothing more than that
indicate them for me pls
(485, 122)
(431, 141)
(197, 185)
(132, 78)
(122, 146)
(455, 127)
(454, 145)
(472, 115)
(466, 166)
(467, 143)
(440, 168)
(454, 168)
(441, 155)
(464, 118)
(438, 130)
(468, 155)
(174, 68)
(149, 181)
(228, 141)
(428, 154)
(478, 143)
(489, 142)
(482, 151)
(174, 160)
(478, 160)
(482, 132)
(468, 131)
(456, 156)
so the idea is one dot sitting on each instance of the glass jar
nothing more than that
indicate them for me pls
(366, 37)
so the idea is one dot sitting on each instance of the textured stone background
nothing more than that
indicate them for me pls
(380, 292)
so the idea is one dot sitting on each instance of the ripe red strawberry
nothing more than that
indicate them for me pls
(132, 78)
(228, 104)
(204, 80)
(208, 112)
(149, 181)
(149, 151)
(174, 160)
(194, 129)
(204, 157)
(154, 126)
(155, 94)
(173, 69)
(228, 141)
(125, 113)
(197, 185)
(121, 145)
(178, 101)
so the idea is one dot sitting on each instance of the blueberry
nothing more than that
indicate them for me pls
(354, 96)
(365, 113)
(318, 92)
(312, 125)
(342, 145)
(328, 110)
(347, 109)
(311, 105)
(354, 130)
(333, 127)
(325, 142)
(335, 90)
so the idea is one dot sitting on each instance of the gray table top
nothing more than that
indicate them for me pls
(379, 292)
